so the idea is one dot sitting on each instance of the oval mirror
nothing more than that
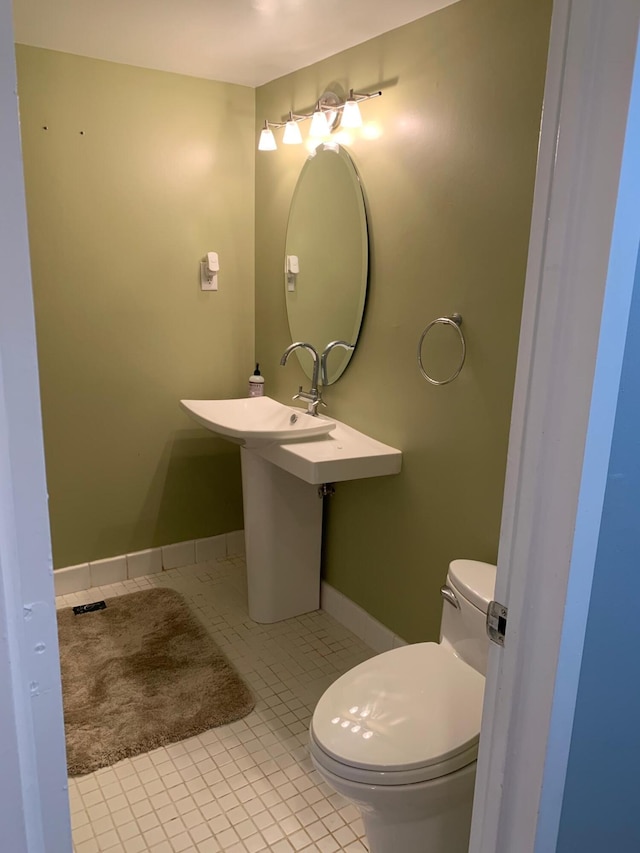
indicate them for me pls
(327, 257)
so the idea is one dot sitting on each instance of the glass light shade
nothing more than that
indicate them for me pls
(319, 124)
(292, 135)
(351, 114)
(267, 140)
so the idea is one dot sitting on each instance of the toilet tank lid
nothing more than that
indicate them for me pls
(474, 580)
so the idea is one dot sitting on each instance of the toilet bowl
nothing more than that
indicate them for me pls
(398, 734)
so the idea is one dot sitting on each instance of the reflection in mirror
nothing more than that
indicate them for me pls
(327, 253)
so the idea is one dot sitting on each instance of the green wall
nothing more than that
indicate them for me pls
(449, 183)
(137, 174)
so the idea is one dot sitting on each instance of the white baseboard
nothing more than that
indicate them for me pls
(358, 621)
(153, 560)
(148, 562)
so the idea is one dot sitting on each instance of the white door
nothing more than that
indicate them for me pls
(582, 257)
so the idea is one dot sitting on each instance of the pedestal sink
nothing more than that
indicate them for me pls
(286, 454)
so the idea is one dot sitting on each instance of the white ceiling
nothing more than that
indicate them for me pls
(236, 41)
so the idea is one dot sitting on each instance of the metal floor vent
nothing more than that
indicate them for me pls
(89, 608)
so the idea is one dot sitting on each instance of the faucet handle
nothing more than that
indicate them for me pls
(313, 404)
(300, 394)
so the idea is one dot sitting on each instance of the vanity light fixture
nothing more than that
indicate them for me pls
(267, 139)
(319, 123)
(291, 135)
(330, 111)
(351, 116)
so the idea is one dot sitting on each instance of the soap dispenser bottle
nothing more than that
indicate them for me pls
(256, 383)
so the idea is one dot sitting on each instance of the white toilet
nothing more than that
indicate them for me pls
(398, 734)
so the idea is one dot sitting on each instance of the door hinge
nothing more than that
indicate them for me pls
(497, 622)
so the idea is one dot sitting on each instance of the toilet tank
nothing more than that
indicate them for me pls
(466, 596)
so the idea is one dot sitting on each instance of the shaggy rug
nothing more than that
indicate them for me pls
(139, 674)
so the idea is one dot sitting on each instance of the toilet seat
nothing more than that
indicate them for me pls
(389, 777)
(408, 715)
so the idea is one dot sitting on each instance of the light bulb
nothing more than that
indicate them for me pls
(351, 113)
(267, 139)
(292, 135)
(319, 124)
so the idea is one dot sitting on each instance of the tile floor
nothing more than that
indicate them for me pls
(241, 788)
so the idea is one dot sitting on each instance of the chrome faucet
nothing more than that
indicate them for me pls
(312, 397)
(323, 358)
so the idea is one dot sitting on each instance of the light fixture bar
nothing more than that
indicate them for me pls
(360, 96)
(325, 118)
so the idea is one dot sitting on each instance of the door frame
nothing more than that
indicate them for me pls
(34, 804)
(579, 280)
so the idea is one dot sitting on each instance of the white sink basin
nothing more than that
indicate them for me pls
(343, 454)
(256, 420)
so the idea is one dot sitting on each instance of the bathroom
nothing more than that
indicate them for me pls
(124, 332)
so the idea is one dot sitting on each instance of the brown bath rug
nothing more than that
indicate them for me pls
(140, 674)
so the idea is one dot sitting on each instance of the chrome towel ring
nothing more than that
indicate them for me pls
(454, 320)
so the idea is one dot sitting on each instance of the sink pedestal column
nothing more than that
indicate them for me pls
(283, 539)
